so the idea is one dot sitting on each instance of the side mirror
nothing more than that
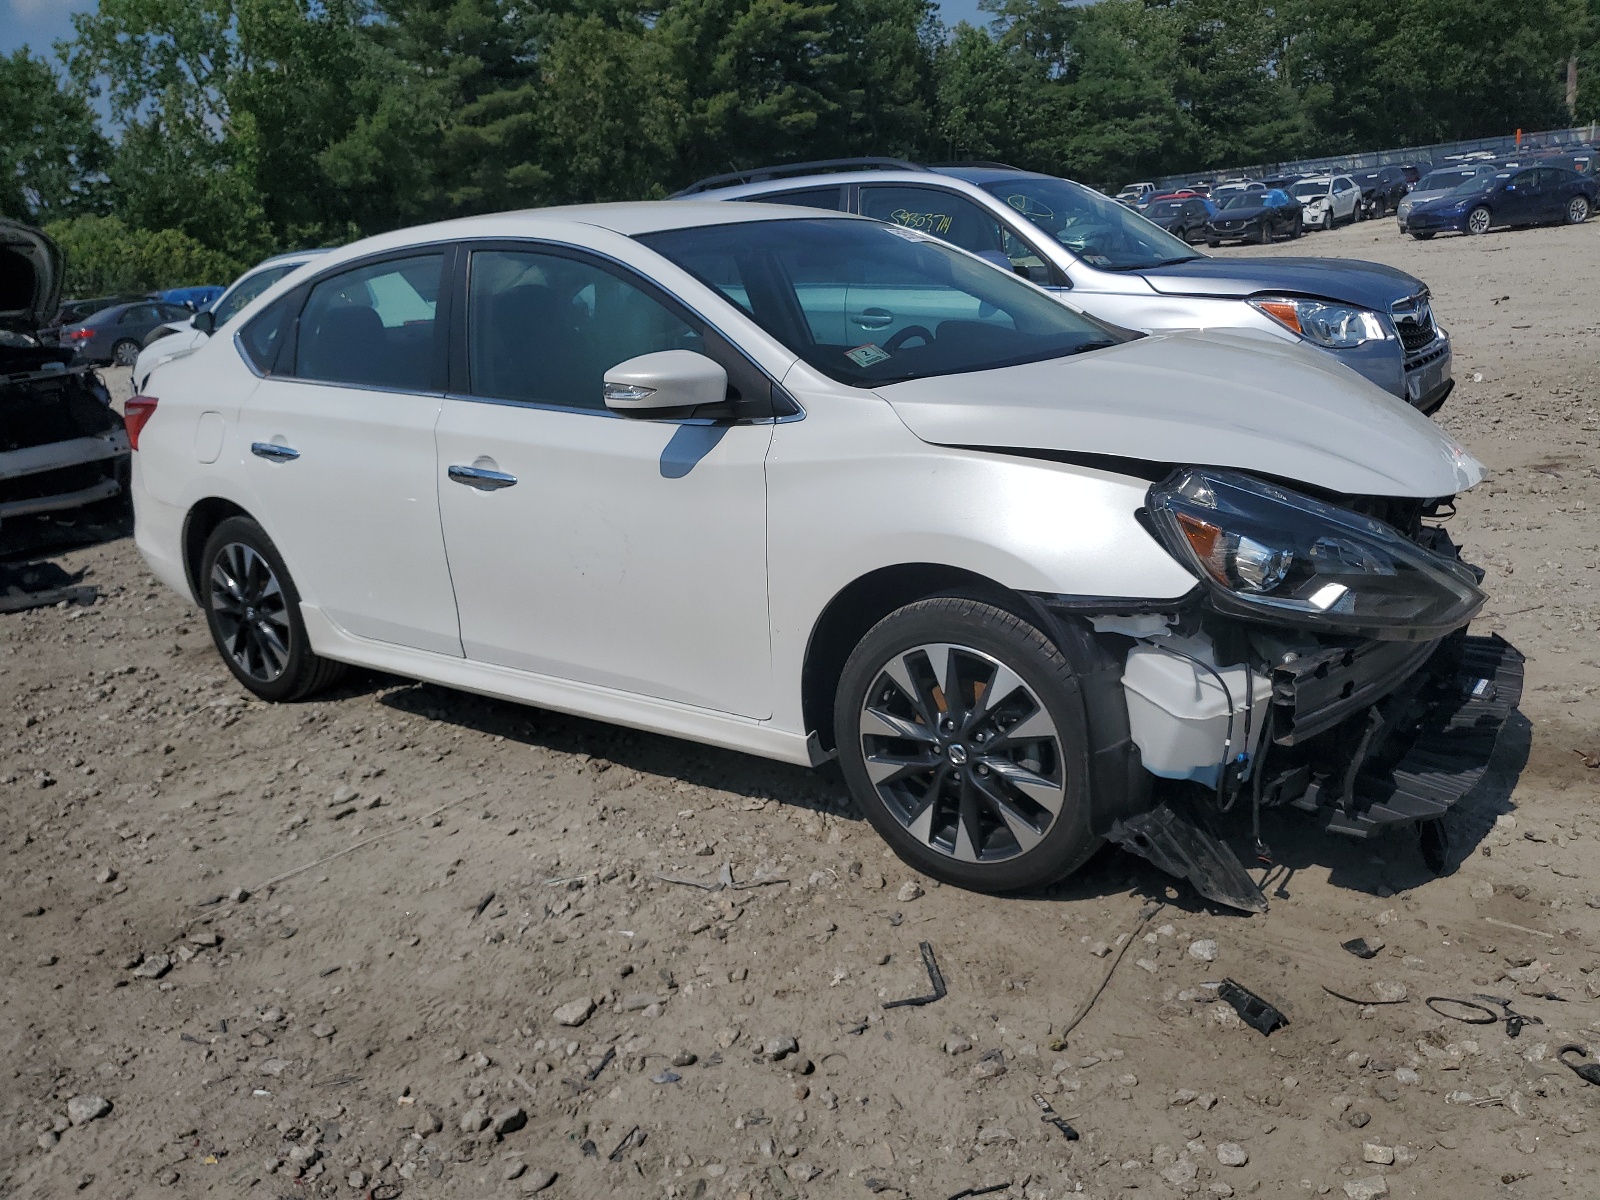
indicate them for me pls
(205, 322)
(654, 385)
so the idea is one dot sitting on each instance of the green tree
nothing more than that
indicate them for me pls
(52, 153)
(105, 257)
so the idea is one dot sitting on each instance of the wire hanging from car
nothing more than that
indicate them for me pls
(1224, 803)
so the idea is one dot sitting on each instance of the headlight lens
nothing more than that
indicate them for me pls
(1274, 555)
(1337, 326)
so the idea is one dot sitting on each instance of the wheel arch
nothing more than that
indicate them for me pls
(202, 519)
(860, 605)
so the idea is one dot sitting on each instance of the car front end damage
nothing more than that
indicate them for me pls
(62, 446)
(1321, 663)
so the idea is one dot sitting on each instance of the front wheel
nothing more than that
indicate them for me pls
(1577, 210)
(253, 610)
(1298, 229)
(1479, 220)
(962, 734)
(1421, 237)
(1213, 243)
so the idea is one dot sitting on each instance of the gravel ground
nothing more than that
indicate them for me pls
(406, 941)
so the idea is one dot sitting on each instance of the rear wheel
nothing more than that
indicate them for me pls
(125, 353)
(1479, 220)
(253, 609)
(962, 733)
(1577, 210)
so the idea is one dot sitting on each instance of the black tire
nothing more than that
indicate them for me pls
(1479, 220)
(1213, 242)
(1422, 237)
(125, 353)
(947, 751)
(255, 624)
(1265, 236)
(1577, 210)
(1298, 229)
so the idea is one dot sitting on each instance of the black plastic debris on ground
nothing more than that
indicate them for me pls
(38, 584)
(1362, 947)
(1252, 1009)
(1182, 846)
(934, 978)
(1051, 1117)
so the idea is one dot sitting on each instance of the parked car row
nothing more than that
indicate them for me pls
(1468, 194)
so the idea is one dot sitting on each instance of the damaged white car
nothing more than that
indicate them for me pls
(62, 447)
(805, 486)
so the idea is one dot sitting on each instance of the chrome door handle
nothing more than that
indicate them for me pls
(875, 318)
(484, 481)
(273, 452)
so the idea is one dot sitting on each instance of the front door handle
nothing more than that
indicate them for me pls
(273, 452)
(483, 480)
(875, 318)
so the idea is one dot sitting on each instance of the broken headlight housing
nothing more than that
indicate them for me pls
(1274, 555)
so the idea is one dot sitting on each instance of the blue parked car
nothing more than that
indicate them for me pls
(1530, 196)
(197, 298)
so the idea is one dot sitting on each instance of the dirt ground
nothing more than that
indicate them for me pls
(319, 950)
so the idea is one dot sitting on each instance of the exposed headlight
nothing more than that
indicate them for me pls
(1273, 555)
(1337, 326)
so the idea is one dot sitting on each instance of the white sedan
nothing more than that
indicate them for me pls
(803, 484)
(1328, 200)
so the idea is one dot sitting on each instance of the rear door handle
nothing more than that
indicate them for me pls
(273, 452)
(483, 480)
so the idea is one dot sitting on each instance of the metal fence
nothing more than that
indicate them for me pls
(1507, 146)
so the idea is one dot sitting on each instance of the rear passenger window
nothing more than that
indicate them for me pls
(544, 329)
(373, 326)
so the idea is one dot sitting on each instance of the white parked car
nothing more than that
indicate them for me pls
(805, 484)
(1329, 200)
(167, 342)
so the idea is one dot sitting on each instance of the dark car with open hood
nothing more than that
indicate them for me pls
(62, 446)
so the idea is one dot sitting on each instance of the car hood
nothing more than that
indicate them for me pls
(1416, 198)
(1247, 401)
(31, 265)
(1348, 280)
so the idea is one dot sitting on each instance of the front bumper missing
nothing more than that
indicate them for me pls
(1180, 844)
(1433, 745)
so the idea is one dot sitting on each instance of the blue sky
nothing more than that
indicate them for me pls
(40, 23)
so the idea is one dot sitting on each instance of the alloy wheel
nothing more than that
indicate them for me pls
(1578, 210)
(1478, 220)
(125, 354)
(963, 753)
(251, 612)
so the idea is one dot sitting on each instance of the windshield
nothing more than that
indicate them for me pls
(1245, 200)
(247, 289)
(1308, 189)
(1476, 184)
(1098, 230)
(870, 304)
(1443, 181)
(1167, 208)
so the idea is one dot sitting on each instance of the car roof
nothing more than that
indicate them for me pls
(629, 219)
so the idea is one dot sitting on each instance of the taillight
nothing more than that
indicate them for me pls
(78, 335)
(136, 414)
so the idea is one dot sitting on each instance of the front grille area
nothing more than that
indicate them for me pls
(1413, 321)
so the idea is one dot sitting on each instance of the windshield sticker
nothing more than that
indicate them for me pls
(868, 355)
(928, 222)
(910, 235)
(1098, 260)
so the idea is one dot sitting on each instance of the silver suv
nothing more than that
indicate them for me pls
(1119, 267)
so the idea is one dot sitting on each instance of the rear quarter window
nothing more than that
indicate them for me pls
(262, 338)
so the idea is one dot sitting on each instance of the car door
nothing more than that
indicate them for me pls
(1518, 201)
(1345, 196)
(612, 551)
(338, 448)
(1554, 192)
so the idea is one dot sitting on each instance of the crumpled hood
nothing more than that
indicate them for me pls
(1251, 402)
(1348, 280)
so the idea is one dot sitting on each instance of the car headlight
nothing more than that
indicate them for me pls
(1274, 555)
(1337, 326)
